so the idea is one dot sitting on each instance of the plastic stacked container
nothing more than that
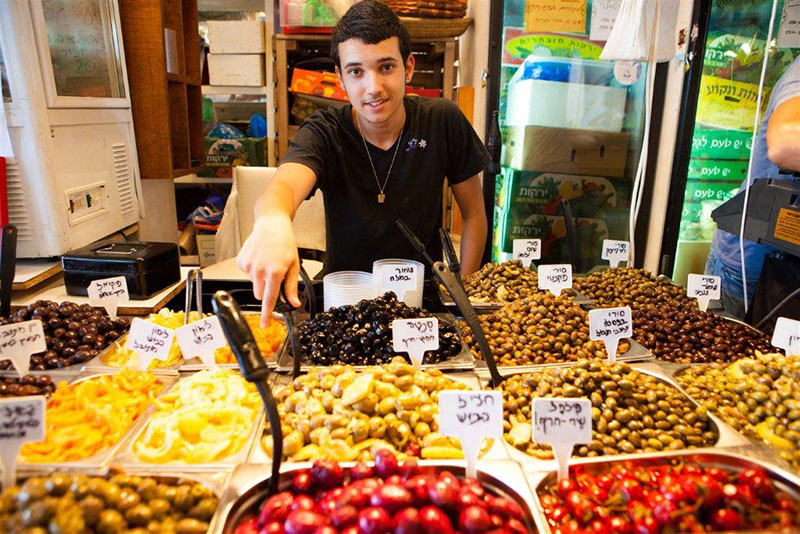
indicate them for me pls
(347, 287)
(412, 297)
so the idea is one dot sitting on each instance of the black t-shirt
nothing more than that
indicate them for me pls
(437, 143)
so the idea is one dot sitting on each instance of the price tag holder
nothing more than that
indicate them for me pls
(415, 337)
(21, 421)
(19, 340)
(201, 338)
(786, 336)
(704, 288)
(471, 416)
(108, 293)
(610, 325)
(616, 251)
(554, 278)
(562, 422)
(149, 341)
(399, 279)
(527, 250)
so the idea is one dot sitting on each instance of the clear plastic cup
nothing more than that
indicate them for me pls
(347, 287)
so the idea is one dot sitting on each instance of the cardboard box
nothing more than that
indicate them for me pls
(206, 249)
(236, 37)
(566, 105)
(311, 82)
(566, 151)
(236, 69)
(222, 155)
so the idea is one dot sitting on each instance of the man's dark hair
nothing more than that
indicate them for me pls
(370, 22)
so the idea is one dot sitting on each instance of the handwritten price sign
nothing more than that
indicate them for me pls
(786, 335)
(149, 341)
(615, 251)
(415, 337)
(108, 293)
(555, 278)
(471, 416)
(399, 278)
(19, 340)
(704, 288)
(610, 325)
(527, 250)
(21, 421)
(201, 338)
(562, 422)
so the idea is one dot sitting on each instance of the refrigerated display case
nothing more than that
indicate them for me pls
(716, 140)
(571, 131)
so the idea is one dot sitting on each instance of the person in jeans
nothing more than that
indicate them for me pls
(777, 148)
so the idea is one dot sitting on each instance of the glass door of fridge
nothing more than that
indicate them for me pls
(572, 129)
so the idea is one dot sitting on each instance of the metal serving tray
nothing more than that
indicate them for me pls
(99, 462)
(127, 459)
(98, 362)
(462, 361)
(637, 353)
(247, 487)
(482, 307)
(735, 460)
(726, 435)
(194, 364)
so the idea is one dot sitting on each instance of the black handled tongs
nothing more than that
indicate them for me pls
(453, 285)
(569, 223)
(254, 369)
(450, 255)
(8, 260)
(285, 308)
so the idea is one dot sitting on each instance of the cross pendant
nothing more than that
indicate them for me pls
(381, 198)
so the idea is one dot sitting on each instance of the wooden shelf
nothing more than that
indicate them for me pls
(209, 90)
(167, 108)
(194, 179)
(176, 173)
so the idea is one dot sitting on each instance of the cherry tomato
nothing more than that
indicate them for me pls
(726, 519)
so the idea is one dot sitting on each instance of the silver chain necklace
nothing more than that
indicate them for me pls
(381, 195)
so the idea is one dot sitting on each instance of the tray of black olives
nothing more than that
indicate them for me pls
(361, 335)
(35, 383)
(74, 333)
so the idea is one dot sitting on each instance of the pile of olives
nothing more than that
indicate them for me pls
(759, 397)
(26, 385)
(79, 504)
(539, 329)
(501, 282)
(688, 335)
(361, 334)
(632, 411)
(74, 333)
(342, 414)
(627, 286)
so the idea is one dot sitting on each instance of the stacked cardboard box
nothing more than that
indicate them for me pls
(236, 53)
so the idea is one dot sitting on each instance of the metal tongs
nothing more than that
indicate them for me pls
(8, 259)
(284, 307)
(194, 284)
(449, 276)
(254, 369)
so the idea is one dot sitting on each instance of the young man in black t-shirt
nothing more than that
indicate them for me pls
(382, 157)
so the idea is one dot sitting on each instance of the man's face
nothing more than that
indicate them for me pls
(375, 78)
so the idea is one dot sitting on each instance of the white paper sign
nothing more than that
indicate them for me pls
(562, 422)
(786, 335)
(19, 340)
(399, 278)
(527, 250)
(108, 293)
(789, 30)
(704, 288)
(21, 421)
(554, 278)
(201, 338)
(415, 337)
(471, 416)
(604, 13)
(149, 341)
(627, 72)
(610, 325)
(616, 251)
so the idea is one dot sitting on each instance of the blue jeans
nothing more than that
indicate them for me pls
(732, 290)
